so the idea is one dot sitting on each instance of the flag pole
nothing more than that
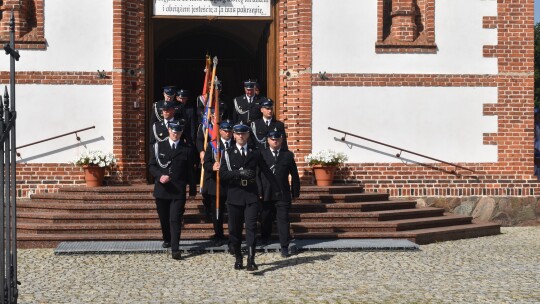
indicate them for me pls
(218, 150)
(208, 104)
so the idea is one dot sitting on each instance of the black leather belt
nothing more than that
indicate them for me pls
(245, 182)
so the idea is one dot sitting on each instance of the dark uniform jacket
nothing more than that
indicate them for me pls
(244, 191)
(246, 112)
(160, 132)
(282, 167)
(178, 164)
(259, 130)
(209, 186)
(224, 110)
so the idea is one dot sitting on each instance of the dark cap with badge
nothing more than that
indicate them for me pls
(226, 125)
(267, 103)
(250, 84)
(175, 127)
(169, 90)
(241, 128)
(167, 106)
(182, 93)
(274, 134)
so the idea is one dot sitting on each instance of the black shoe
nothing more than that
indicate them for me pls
(219, 241)
(166, 245)
(239, 264)
(237, 251)
(284, 252)
(176, 255)
(231, 249)
(251, 266)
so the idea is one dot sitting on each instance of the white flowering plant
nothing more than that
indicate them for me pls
(326, 158)
(95, 158)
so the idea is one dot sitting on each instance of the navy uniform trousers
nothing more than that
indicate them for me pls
(171, 197)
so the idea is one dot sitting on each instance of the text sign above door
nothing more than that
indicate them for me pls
(225, 8)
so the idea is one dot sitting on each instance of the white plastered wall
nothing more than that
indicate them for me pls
(79, 39)
(345, 32)
(441, 122)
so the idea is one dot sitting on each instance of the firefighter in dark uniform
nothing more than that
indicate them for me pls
(171, 165)
(239, 167)
(199, 144)
(224, 108)
(211, 168)
(160, 129)
(168, 96)
(265, 124)
(247, 107)
(186, 111)
(281, 162)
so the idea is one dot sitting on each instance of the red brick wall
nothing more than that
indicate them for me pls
(511, 175)
(29, 23)
(43, 178)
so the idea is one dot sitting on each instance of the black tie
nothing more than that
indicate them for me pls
(173, 146)
(275, 154)
(268, 123)
(242, 152)
(226, 145)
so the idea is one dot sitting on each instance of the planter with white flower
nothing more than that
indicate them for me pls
(324, 165)
(94, 164)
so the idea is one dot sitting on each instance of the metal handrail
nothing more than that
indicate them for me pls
(402, 150)
(55, 137)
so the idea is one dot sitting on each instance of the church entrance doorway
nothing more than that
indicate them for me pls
(180, 47)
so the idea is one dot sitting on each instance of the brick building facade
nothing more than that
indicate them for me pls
(406, 29)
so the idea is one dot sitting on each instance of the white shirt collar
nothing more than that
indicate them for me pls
(240, 148)
(175, 142)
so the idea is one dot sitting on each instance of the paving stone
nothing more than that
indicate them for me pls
(495, 269)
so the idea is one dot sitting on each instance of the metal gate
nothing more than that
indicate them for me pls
(8, 191)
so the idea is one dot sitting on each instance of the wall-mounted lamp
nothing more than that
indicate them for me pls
(101, 74)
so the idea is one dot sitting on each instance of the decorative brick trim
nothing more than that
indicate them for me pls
(490, 51)
(489, 22)
(415, 80)
(406, 26)
(29, 23)
(58, 78)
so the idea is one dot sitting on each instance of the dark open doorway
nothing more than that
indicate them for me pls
(181, 45)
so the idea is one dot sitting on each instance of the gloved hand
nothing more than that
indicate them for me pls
(247, 174)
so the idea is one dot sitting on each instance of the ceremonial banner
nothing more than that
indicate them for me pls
(225, 8)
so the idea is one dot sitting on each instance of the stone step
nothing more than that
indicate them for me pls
(353, 207)
(148, 189)
(197, 205)
(149, 199)
(419, 236)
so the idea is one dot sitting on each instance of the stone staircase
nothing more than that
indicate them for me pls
(128, 213)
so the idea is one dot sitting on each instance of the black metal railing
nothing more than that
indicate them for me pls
(55, 137)
(401, 150)
(8, 190)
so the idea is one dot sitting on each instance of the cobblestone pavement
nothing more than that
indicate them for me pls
(496, 269)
